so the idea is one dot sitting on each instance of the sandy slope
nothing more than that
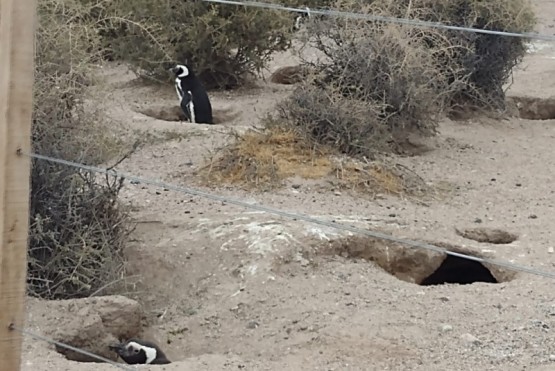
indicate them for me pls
(233, 285)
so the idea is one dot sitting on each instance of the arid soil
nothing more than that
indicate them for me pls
(226, 288)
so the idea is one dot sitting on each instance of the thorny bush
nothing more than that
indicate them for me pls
(375, 84)
(223, 44)
(78, 228)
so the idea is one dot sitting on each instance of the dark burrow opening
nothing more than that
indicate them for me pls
(459, 270)
(417, 265)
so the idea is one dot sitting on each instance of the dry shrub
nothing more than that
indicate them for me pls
(372, 89)
(222, 43)
(77, 226)
(264, 160)
(485, 62)
(377, 84)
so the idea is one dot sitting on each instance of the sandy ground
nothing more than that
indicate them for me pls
(237, 292)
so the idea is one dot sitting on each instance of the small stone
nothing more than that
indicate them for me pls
(337, 193)
(519, 185)
(477, 220)
(470, 339)
(446, 328)
(533, 216)
(296, 186)
(252, 325)
(550, 250)
(552, 357)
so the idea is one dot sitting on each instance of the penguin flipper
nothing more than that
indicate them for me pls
(185, 105)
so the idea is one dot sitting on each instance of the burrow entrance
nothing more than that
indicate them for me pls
(419, 266)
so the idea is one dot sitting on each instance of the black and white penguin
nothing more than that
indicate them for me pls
(301, 18)
(193, 98)
(140, 352)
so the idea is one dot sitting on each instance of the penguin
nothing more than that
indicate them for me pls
(299, 20)
(140, 352)
(192, 95)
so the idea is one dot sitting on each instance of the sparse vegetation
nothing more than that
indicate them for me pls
(78, 228)
(376, 84)
(265, 160)
(224, 44)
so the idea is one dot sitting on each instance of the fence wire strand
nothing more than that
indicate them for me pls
(291, 215)
(384, 19)
(70, 347)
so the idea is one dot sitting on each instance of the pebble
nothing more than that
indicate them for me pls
(252, 325)
(552, 357)
(550, 250)
(470, 339)
(446, 328)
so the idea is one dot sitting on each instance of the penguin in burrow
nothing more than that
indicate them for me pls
(140, 352)
(192, 95)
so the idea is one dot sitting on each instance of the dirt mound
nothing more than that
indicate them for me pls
(94, 323)
(175, 113)
(419, 266)
(488, 235)
(534, 108)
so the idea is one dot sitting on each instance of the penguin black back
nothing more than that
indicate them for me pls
(193, 98)
(140, 352)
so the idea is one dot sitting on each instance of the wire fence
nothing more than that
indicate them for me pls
(384, 19)
(291, 215)
(286, 214)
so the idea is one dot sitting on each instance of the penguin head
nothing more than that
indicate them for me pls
(181, 71)
(137, 352)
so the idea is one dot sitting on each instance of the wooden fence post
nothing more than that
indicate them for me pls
(17, 38)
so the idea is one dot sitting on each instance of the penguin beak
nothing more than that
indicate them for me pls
(173, 70)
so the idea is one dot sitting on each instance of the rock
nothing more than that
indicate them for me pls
(550, 250)
(470, 339)
(288, 75)
(552, 357)
(446, 328)
(252, 325)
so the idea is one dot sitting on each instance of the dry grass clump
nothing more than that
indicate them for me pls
(78, 228)
(265, 160)
(375, 84)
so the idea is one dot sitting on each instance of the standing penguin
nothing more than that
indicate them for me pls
(193, 98)
(140, 352)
